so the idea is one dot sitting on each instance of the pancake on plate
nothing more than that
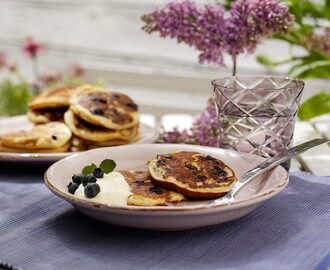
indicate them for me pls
(62, 149)
(42, 116)
(104, 108)
(50, 136)
(145, 193)
(50, 105)
(193, 174)
(79, 144)
(98, 134)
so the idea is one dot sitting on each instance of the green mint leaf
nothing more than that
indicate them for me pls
(108, 165)
(89, 169)
(314, 106)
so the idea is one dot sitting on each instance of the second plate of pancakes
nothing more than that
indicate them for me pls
(148, 134)
(63, 120)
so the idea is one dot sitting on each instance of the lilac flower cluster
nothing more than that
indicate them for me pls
(320, 41)
(204, 130)
(213, 32)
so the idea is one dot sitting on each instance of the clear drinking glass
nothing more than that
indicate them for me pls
(257, 114)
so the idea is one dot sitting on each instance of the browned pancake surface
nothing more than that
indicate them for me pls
(192, 174)
(108, 104)
(145, 192)
(182, 165)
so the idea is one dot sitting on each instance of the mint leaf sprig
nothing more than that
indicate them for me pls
(107, 166)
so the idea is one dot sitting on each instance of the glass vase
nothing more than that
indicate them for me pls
(257, 114)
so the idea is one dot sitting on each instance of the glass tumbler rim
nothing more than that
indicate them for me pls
(299, 83)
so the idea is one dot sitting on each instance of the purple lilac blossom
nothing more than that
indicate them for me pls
(213, 32)
(320, 41)
(204, 130)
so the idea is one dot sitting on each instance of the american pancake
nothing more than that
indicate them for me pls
(50, 105)
(98, 134)
(52, 98)
(79, 144)
(104, 108)
(145, 193)
(193, 174)
(61, 149)
(53, 135)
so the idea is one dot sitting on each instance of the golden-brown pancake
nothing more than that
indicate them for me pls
(93, 133)
(145, 193)
(104, 108)
(81, 144)
(50, 105)
(53, 97)
(52, 135)
(193, 174)
(45, 115)
(61, 149)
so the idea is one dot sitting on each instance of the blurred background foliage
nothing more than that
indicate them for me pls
(311, 33)
(16, 90)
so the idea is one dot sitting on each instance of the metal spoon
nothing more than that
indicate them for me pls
(266, 166)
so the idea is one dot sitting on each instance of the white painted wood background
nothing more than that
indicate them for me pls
(105, 37)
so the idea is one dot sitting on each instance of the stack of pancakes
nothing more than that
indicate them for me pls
(98, 117)
(75, 119)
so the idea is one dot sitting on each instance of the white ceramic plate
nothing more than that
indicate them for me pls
(16, 123)
(187, 215)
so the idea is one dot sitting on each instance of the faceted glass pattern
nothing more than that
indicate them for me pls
(257, 114)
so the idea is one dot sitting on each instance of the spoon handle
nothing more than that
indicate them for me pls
(266, 166)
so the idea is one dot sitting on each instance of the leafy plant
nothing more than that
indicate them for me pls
(310, 32)
(16, 92)
(14, 97)
(315, 106)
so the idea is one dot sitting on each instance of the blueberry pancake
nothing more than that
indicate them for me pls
(52, 98)
(50, 105)
(94, 133)
(53, 135)
(79, 144)
(193, 174)
(61, 149)
(145, 193)
(104, 108)
(42, 116)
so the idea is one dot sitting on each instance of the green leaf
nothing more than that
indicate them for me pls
(270, 63)
(89, 169)
(108, 165)
(315, 106)
(316, 69)
(14, 97)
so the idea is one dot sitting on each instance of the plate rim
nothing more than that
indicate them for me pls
(31, 156)
(244, 202)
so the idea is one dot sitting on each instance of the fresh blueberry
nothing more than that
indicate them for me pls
(157, 190)
(78, 178)
(97, 111)
(91, 190)
(98, 173)
(72, 187)
(139, 183)
(89, 178)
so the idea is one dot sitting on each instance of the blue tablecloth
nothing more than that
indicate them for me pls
(40, 231)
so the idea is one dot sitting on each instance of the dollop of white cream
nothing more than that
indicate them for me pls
(114, 190)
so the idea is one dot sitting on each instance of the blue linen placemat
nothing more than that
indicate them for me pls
(40, 231)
